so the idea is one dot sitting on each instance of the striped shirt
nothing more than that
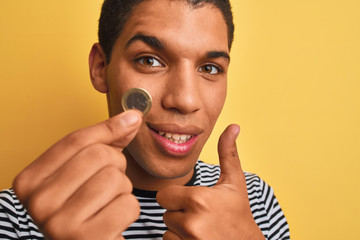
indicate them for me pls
(15, 223)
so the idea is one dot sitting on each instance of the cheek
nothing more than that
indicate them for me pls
(141, 141)
(118, 82)
(214, 101)
(138, 143)
(114, 103)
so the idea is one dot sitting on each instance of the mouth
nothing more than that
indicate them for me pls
(175, 140)
(175, 137)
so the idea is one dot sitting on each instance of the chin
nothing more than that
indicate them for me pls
(160, 167)
(170, 171)
(169, 168)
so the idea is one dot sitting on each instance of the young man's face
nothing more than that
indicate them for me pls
(180, 56)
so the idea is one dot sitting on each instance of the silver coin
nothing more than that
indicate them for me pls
(136, 98)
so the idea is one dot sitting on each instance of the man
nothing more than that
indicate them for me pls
(84, 186)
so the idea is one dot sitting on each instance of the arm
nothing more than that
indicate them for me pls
(278, 226)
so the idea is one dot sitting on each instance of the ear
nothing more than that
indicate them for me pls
(97, 68)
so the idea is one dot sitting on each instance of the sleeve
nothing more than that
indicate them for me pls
(266, 210)
(15, 223)
(278, 226)
(7, 212)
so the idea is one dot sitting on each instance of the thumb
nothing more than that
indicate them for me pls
(118, 130)
(230, 166)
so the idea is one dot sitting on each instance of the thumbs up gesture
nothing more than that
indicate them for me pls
(220, 212)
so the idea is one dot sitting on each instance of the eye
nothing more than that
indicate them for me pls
(149, 62)
(210, 69)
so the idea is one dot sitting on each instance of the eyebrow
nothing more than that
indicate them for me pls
(155, 43)
(218, 54)
(149, 40)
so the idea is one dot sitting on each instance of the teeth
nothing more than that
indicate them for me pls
(175, 137)
(183, 137)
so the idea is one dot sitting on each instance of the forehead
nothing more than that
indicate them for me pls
(177, 21)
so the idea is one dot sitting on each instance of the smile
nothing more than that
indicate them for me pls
(175, 138)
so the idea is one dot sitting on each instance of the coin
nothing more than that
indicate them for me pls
(137, 98)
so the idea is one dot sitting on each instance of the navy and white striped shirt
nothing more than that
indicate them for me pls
(15, 223)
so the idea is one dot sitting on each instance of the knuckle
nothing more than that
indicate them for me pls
(118, 181)
(234, 153)
(125, 184)
(111, 128)
(98, 151)
(51, 228)
(74, 139)
(57, 228)
(112, 174)
(167, 235)
(166, 217)
(133, 206)
(192, 227)
(37, 207)
(20, 186)
(133, 202)
(102, 155)
(200, 200)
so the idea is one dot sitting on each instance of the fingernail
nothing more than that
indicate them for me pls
(130, 118)
(237, 131)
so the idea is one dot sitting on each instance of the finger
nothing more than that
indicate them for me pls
(172, 198)
(118, 130)
(48, 199)
(96, 193)
(231, 171)
(170, 235)
(115, 218)
(82, 166)
(183, 198)
(107, 223)
(175, 221)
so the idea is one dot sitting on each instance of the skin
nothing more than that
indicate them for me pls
(184, 67)
(78, 189)
(186, 98)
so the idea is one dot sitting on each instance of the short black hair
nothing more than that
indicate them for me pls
(115, 13)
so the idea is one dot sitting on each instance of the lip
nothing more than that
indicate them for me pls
(169, 147)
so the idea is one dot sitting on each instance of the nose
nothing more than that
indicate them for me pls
(182, 93)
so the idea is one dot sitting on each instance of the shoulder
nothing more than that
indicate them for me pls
(265, 208)
(260, 192)
(207, 172)
(261, 195)
(9, 201)
(257, 188)
(14, 221)
(9, 224)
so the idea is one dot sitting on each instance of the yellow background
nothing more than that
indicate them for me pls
(294, 87)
